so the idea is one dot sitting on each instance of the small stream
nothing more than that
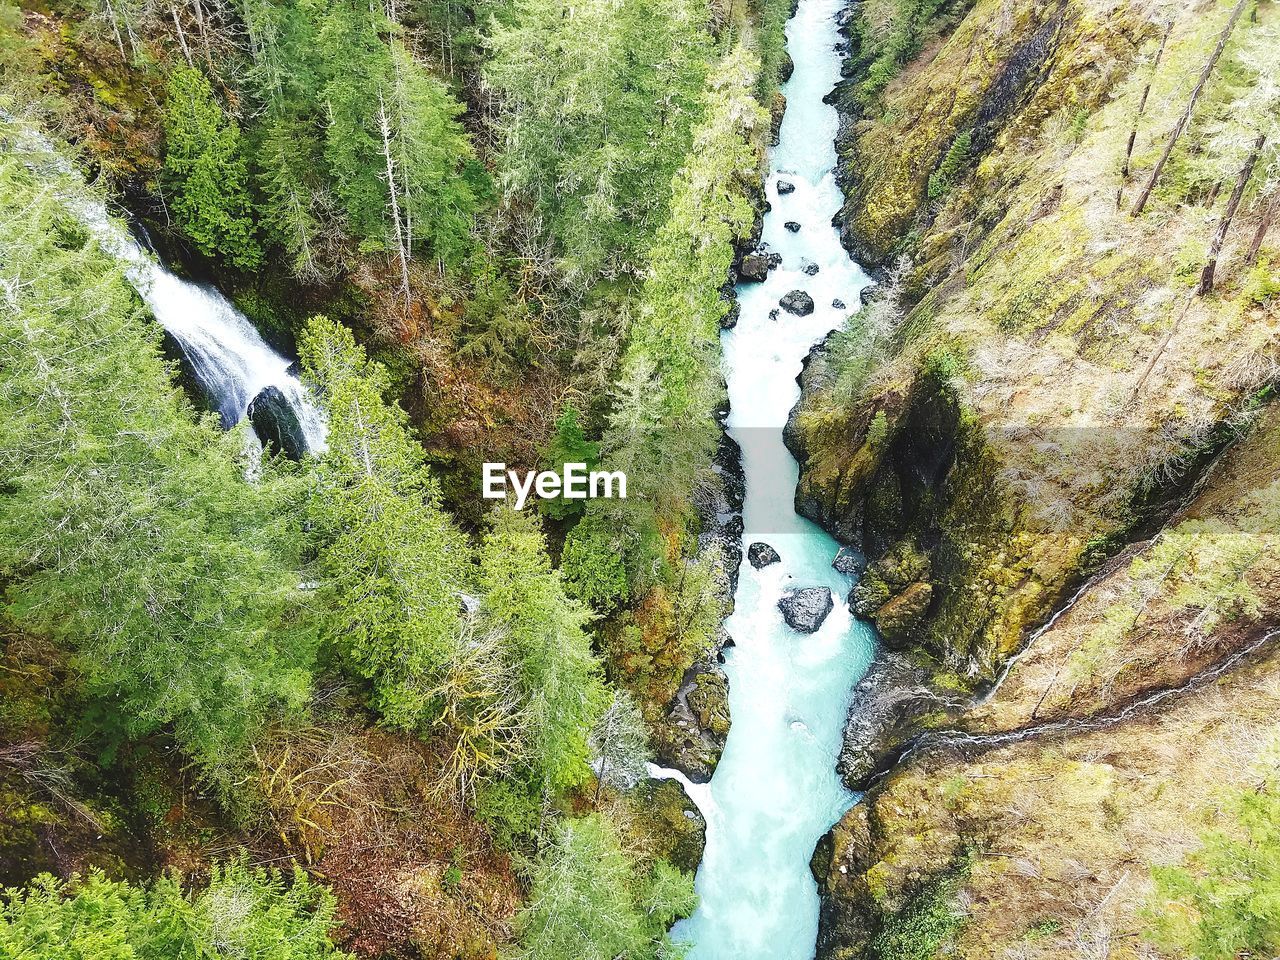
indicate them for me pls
(775, 791)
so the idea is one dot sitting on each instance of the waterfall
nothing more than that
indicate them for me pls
(775, 791)
(229, 358)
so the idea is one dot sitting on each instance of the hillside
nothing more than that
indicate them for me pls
(1050, 403)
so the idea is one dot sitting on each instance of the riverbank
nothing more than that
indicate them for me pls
(1032, 403)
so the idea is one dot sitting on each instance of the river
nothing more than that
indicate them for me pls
(775, 791)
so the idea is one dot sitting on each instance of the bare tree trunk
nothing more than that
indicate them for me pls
(182, 37)
(115, 27)
(600, 780)
(1213, 194)
(1185, 119)
(384, 126)
(198, 6)
(1164, 344)
(1269, 210)
(1224, 225)
(1142, 109)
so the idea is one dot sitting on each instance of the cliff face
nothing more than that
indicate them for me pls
(1120, 737)
(1039, 397)
(1037, 381)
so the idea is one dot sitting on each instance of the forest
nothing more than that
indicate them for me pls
(260, 707)
(307, 694)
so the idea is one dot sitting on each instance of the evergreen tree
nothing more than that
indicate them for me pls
(127, 529)
(206, 172)
(568, 445)
(591, 901)
(559, 677)
(393, 563)
(243, 912)
(593, 135)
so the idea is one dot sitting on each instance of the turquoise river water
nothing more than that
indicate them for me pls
(775, 792)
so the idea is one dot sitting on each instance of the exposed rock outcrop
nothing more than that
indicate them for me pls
(762, 555)
(276, 423)
(805, 609)
(797, 302)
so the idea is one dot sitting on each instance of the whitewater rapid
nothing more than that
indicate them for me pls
(775, 791)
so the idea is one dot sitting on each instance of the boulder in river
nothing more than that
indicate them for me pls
(848, 562)
(838, 303)
(785, 187)
(276, 423)
(805, 609)
(762, 555)
(773, 314)
(797, 302)
(810, 269)
(754, 267)
(792, 226)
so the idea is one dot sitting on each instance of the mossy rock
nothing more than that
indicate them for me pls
(898, 619)
(709, 700)
(667, 823)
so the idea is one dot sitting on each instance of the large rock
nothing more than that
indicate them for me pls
(898, 618)
(849, 562)
(810, 269)
(797, 302)
(762, 555)
(754, 267)
(793, 226)
(785, 187)
(805, 609)
(276, 423)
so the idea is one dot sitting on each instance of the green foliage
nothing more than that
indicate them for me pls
(590, 901)
(512, 810)
(593, 568)
(1225, 902)
(662, 432)
(951, 167)
(497, 323)
(243, 912)
(559, 680)
(206, 172)
(771, 43)
(567, 445)
(326, 77)
(925, 922)
(392, 563)
(593, 135)
(1262, 283)
(128, 531)
(887, 33)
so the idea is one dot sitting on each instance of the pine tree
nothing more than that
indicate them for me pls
(522, 596)
(206, 172)
(128, 532)
(394, 565)
(591, 901)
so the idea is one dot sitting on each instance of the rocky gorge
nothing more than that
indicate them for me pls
(1049, 449)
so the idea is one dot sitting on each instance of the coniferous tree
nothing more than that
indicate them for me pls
(128, 530)
(207, 173)
(560, 679)
(394, 565)
(590, 900)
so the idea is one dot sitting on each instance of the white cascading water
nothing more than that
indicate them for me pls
(230, 359)
(775, 791)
